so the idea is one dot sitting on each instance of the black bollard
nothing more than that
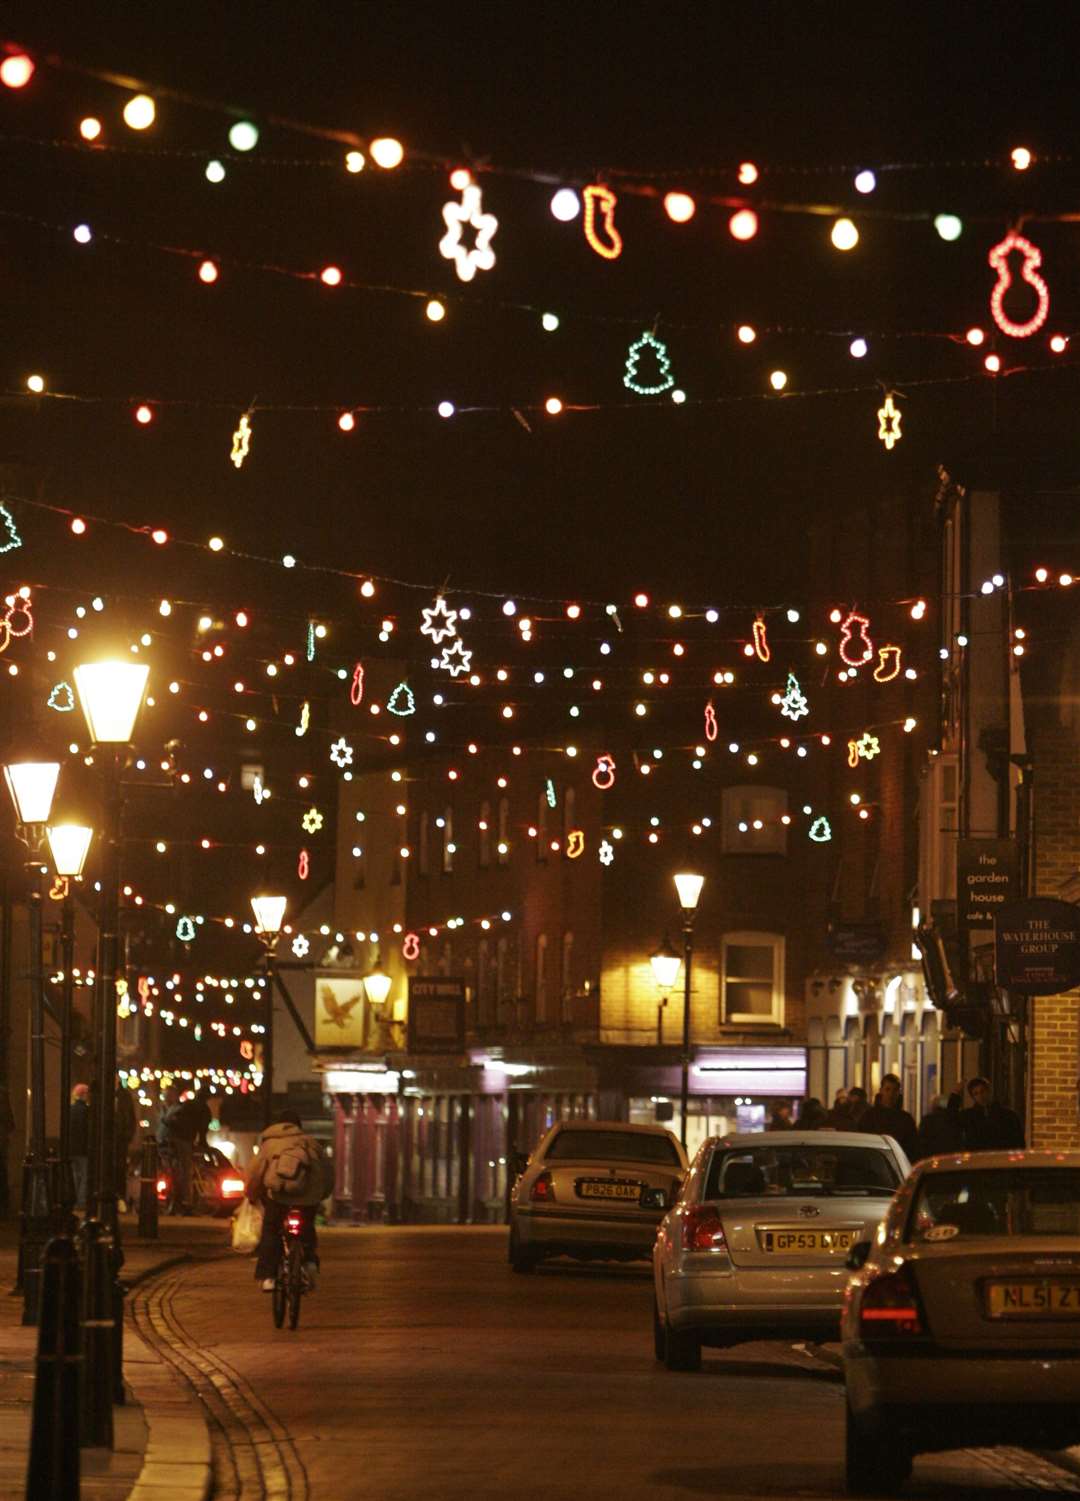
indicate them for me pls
(53, 1470)
(119, 1396)
(148, 1199)
(98, 1322)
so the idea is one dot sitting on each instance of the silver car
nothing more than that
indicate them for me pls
(581, 1192)
(755, 1247)
(962, 1324)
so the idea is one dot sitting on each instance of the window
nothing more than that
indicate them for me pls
(752, 978)
(751, 821)
(448, 841)
(541, 976)
(485, 835)
(613, 1146)
(504, 831)
(424, 851)
(567, 987)
(542, 827)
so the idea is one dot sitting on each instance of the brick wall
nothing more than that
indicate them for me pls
(1055, 1065)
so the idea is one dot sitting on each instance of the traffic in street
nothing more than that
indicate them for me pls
(424, 1365)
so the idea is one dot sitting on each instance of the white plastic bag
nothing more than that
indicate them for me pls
(247, 1225)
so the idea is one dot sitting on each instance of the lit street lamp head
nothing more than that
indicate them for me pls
(689, 887)
(269, 915)
(665, 965)
(69, 844)
(377, 984)
(111, 694)
(31, 781)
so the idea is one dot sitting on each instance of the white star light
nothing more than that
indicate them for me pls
(456, 658)
(300, 946)
(341, 753)
(607, 852)
(481, 257)
(439, 622)
(312, 821)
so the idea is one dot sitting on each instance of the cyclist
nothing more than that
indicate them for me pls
(290, 1172)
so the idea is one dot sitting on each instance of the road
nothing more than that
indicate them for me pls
(424, 1368)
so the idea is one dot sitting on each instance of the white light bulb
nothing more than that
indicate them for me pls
(565, 205)
(865, 181)
(948, 226)
(215, 172)
(844, 235)
(243, 136)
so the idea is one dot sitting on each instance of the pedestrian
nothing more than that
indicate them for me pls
(79, 1141)
(126, 1122)
(291, 1171)
(941, 1130)
(857, 1105)
(840, 1117)
(780, 1116)
(812, 1115)
(887, 1117)
(201, 1117)
(175, 1132)
(987, 1125)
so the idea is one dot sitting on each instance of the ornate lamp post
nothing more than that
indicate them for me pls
(688, 885)
(377, 984)
(69, 844)
(269, 915)
(665, 967)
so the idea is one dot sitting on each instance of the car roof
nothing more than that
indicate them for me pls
(984, 1161)
(824, 1138)
(646, 1130)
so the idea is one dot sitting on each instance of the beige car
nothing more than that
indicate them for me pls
(581, 1191)
(961, 1325)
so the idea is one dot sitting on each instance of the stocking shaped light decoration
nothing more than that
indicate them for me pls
(599, 199)
(468, 259)
(1029, 272)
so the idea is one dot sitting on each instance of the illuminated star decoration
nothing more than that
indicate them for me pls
(312, 821)
(869, 746)
(439, 622)
(793, 704)
(341, 753)
(62, 699)
(300, 946)
(821, 830)
(889, 422)
(468, 260)
(10, 535)
(607, 852)
(241, 441)
(456, 658)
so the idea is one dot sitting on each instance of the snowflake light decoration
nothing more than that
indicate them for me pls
(889, 415)
(300, 946)
(241, 441)
(607, 852)
(456, 658)
(312, 821)
(341, 753)
(869, 746)
(439, 622)
(793, 704)
(468, 260)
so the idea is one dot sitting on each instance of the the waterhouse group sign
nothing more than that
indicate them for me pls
(1037, 945)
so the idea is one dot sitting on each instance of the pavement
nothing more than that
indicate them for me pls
(161, 1443)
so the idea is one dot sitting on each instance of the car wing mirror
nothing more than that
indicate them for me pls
(654, 1198)
(856, 1257)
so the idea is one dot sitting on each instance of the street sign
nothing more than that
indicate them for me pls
(856, 942)
(436, 1014)
(987, 876)
(1037, 945)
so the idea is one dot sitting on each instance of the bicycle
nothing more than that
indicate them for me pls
(290, 1279)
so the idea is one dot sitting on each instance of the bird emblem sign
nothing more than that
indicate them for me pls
(340, 1013)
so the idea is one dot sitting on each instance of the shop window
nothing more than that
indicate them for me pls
(541, 978)
(424, 844)
(752, 978)
(751, 821)
(504, 831)
(485, 835)
(448, 847)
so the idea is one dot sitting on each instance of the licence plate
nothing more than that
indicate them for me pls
(609, 1188)
(1050, 1298)
(789, 1242)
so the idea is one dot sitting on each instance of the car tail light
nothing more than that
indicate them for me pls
(294, 1222)
(702, 1230)
(163, 1188)
(890, 1305)
(232, 1185)
(543, 1190)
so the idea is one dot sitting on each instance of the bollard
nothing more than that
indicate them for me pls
(119, 1396)
(53, 1470)
(148, 1199)
(97, 1337)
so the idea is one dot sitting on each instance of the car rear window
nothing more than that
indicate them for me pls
(1026, 1202)
(795, 1171)
(612, 1146)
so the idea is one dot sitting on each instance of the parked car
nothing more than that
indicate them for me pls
(961, 1325)
(216, 1186)
(756, 1243)
(581, 1192)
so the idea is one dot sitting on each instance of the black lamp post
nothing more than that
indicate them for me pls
(688, 887)
(269, 915)
(31, 781)
(69, 844)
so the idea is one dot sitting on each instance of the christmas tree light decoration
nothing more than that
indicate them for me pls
(341, 753)
(888, 666)
(215, 171)
(712, 729)
(479, 256)
(243, 136)
(402, 701)
(439, 623)
(387, 152)
(853, 753)
(606, 852)
(185, 930)
(869, 746)
(761, 643)
(575, 844)
(61, 698)
(598, 197)
(856, 648)
(303, 865)
(679, 207)
(664, 378)
(305, 719)
(743, 224)
(844, 235)
(139, 112)
(241, 441)
(550, 793)
(456, 659)
(410, 947)
(356, 687)
(301, 947)
(9, 534)
(820, 830)
(999, 262)
(888, 415)
(603, 776)
(312, 821)
(793, 703)
(16, 70)
(565, 205)
(949, 227)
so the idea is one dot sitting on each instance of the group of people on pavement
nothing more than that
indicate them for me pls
(948, 1126)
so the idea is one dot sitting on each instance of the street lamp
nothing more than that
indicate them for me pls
(31, 780)
(688, 885)
(377, 985)
(665, 967)
(69, 844)
(269, 915)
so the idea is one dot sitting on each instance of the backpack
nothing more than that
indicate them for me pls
(289, 1172)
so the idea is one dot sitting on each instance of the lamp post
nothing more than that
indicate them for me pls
(69, 845)
(688, 885)
(269, 915)
(665, 967)
(31, 780)
(377, 984)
